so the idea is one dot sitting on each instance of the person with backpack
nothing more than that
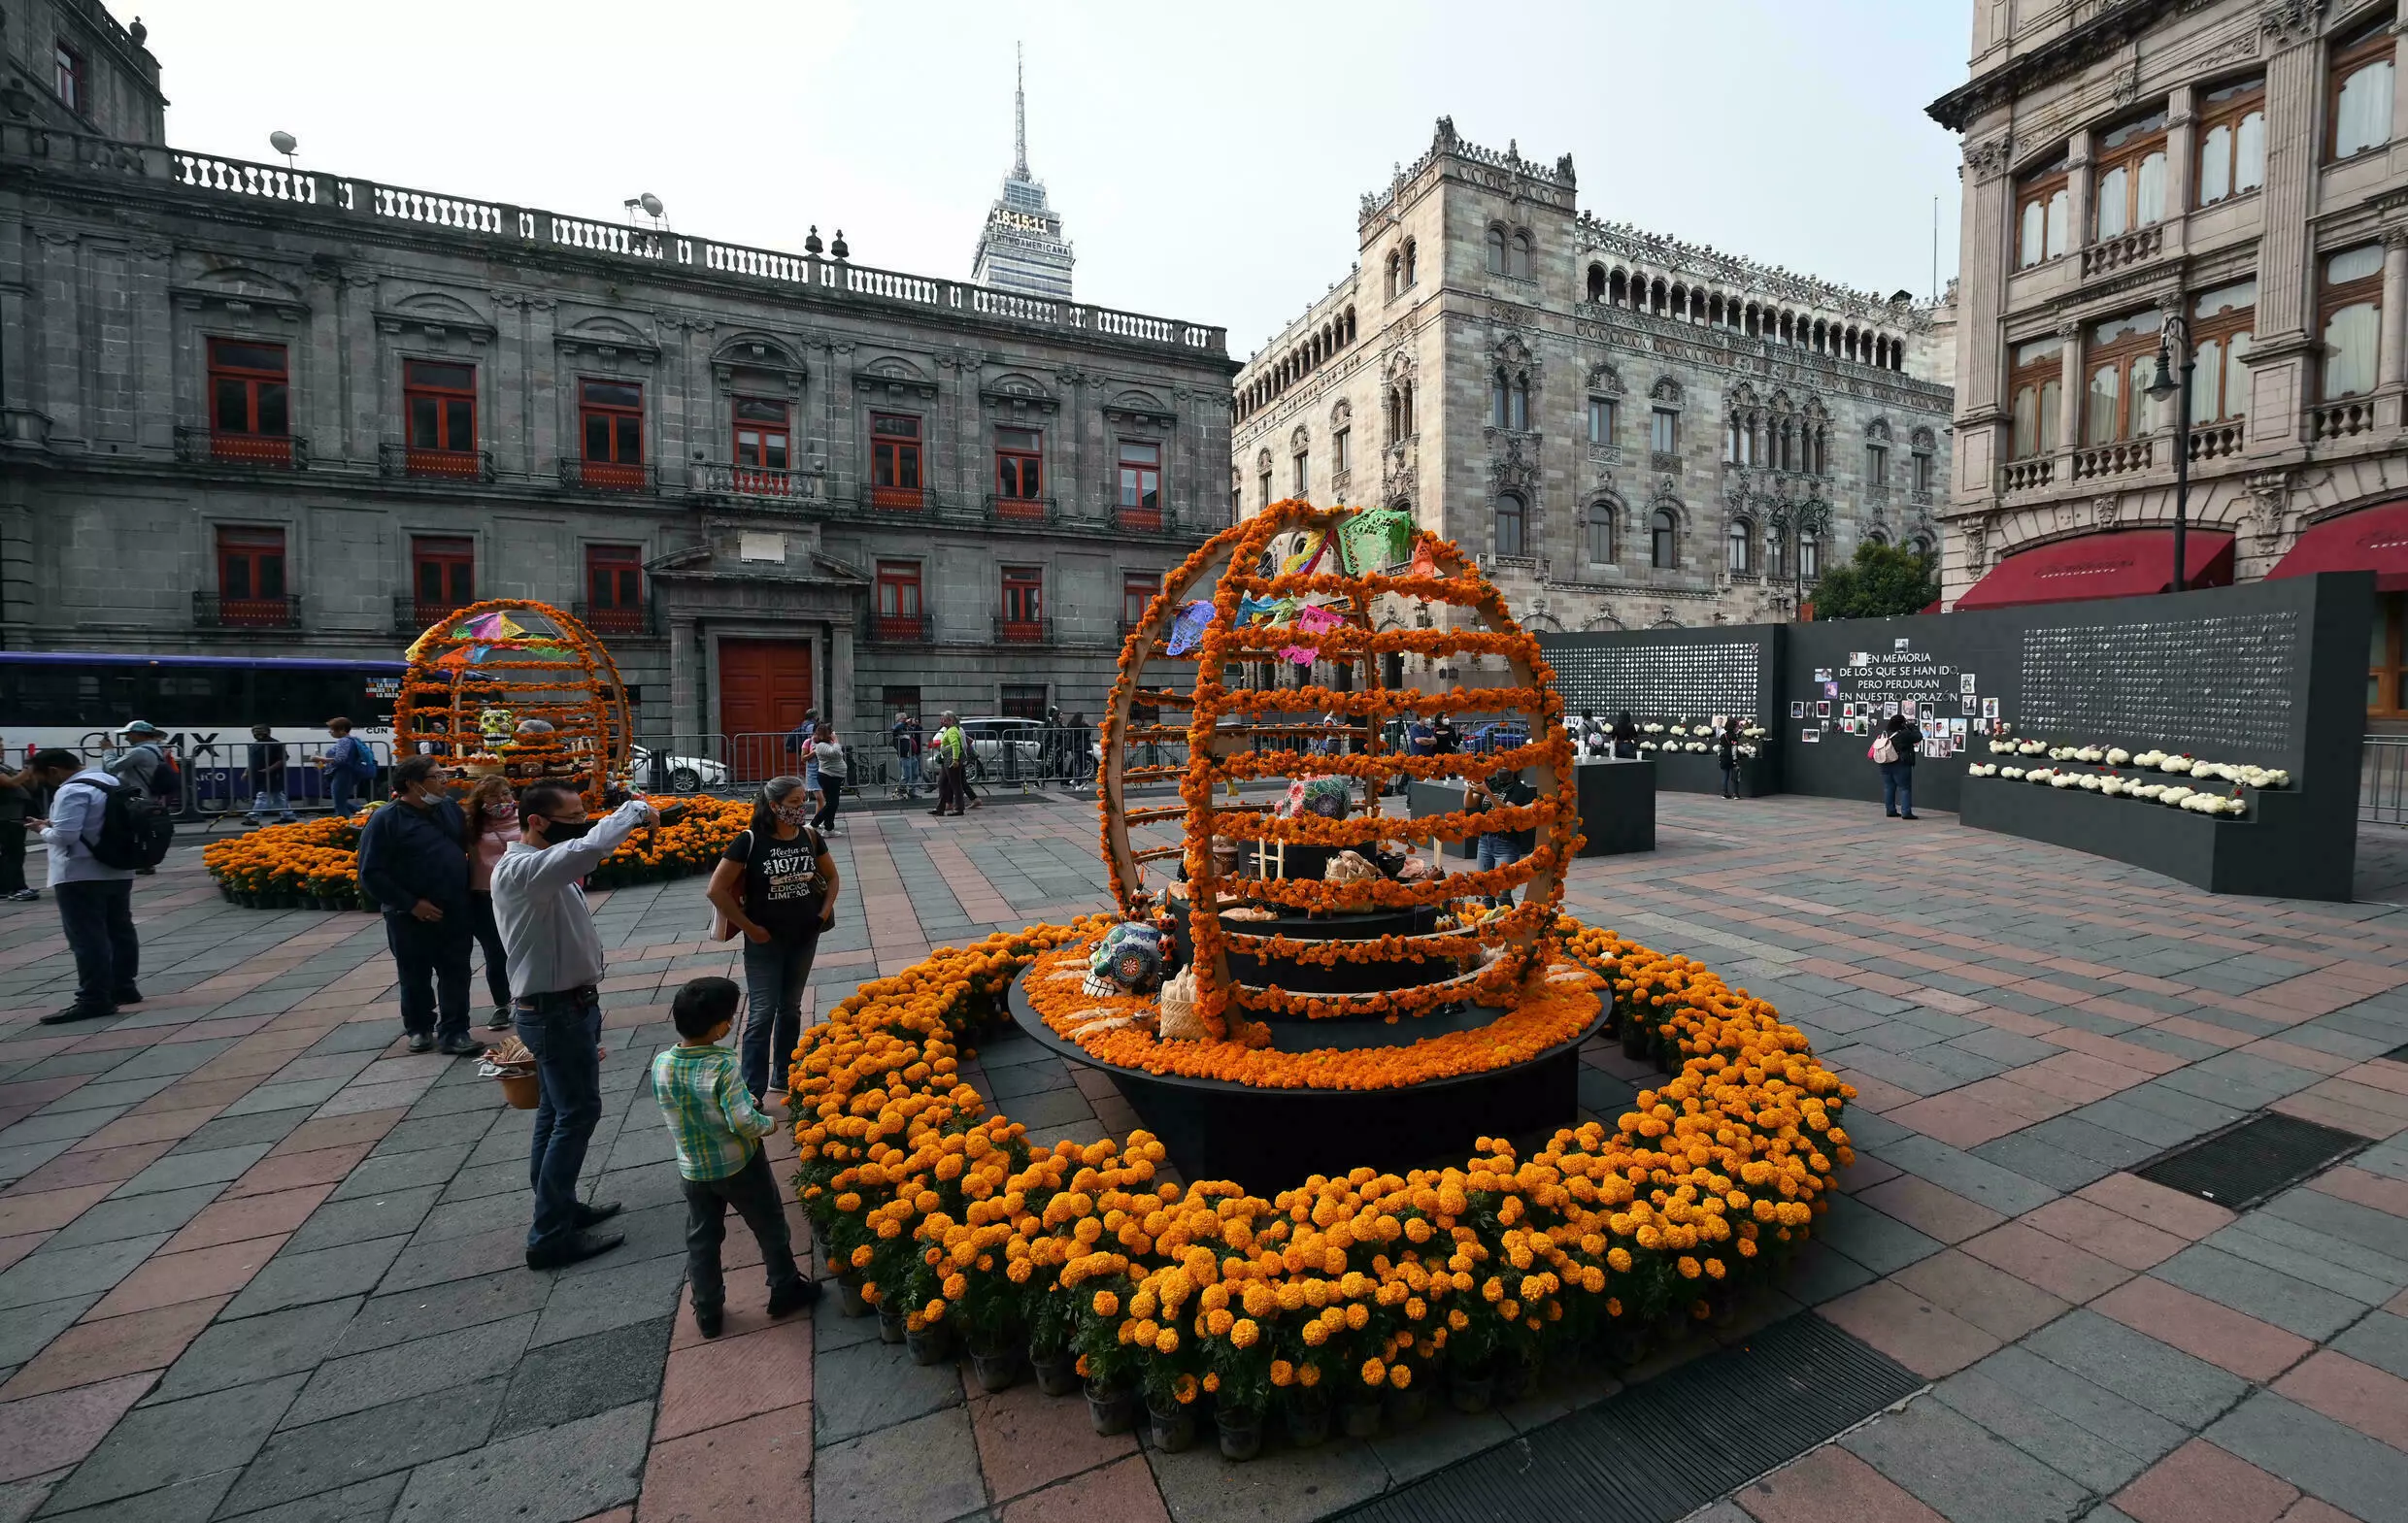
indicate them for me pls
(411, 864)
(92, 878)
(146, 764)
(1893, 751)
(269, 762)
(348, 765)
(953, 762)
(1726, 746)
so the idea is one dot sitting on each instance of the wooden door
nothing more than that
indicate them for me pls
(764, 691)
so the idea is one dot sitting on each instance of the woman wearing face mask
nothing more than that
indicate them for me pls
(777, 887)
(492, 813)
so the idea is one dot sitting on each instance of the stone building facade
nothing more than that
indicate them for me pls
(252, 409)
(1629, 431)
(2237, 169)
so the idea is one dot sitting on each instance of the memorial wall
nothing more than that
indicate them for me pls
(2268, 674)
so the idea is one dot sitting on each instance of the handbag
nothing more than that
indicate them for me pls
(723, 929)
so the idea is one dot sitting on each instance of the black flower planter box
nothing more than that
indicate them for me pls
(2270, 851)
(1701, 771)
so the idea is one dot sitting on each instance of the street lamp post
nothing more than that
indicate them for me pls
(2174, 335)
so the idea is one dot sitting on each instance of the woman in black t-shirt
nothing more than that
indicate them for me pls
(777, 887)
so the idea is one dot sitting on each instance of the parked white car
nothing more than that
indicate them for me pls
(1004, 749)
(680, 773)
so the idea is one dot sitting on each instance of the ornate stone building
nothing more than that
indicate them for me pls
(2227, 181)
(1628, 430)
(253, 409)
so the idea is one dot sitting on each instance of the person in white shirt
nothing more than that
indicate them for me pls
(833, 775)
(555, 970)
(95, 901)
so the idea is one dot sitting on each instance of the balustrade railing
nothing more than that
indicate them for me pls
(198, 445)
(2129, 249)
(441, 465)
(899, 499)
(1023, 631)
(2216, 441)
(487, 219)
(605, 476)
(756, 481)
(2027, 475)
(614, 618)
(1020, 509)
(2342, 419)
(216, 610)
(2121, 458)
(899, 629)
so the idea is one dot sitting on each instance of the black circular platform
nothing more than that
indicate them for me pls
(1270, 1140)
(1341, 977)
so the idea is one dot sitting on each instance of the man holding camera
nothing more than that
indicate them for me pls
(556, 972)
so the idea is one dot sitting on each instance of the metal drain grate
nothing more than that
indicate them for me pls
(1661, 1450)
(2252, 1161)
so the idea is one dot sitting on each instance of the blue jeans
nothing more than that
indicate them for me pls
(98, 917)
(1898, 787)
(1495, 851)
(564, 1032)
(340, 785)
(270, 801)
(774, 975)
(1730, 780)
(913, 781)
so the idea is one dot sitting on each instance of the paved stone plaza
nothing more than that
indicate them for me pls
(255, 1262)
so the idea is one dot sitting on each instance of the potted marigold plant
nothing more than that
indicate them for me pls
(1240, 1361)
(1171, 1387)
(1303, 1400)
(990, 1310)
(1106, 1360)
(1051, 1318)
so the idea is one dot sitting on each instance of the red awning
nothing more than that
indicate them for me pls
(2115, 563)
(2371, 538)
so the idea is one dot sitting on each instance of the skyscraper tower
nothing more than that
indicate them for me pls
(1021, 247)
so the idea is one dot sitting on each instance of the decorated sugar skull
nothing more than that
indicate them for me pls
(1128, 960)
(496, 724)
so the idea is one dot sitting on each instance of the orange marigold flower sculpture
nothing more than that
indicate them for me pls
(520, 689)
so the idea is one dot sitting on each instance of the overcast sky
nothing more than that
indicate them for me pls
(1207, 160)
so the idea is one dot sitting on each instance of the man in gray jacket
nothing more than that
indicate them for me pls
(555, 971)
(95, 901)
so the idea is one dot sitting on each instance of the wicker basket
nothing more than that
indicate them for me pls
(513, 1065)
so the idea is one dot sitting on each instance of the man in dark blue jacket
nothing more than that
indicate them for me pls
(412, 863)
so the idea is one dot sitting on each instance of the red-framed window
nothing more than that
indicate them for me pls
(614, 589)
(67, 78)
(1141, 485)
(250, 576)
(610, 425)
(1022, 618)
(443, 575)
(1138, 590)
(762, 452)
(250, 402)
(894, 461)
(1019, 473)
(900, 614)
(439, 400)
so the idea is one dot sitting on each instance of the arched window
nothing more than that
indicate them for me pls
(1496, 250)
(1875, 537)
(1395, 271)
(1521, 399)
(1519, 257)
(1809, 557)
(1618, 289)
(1350, 325)
(1406, 388)
(1596, 282)
(1509, 524)
(1776, 553)
(1409, 261)
(1497, 404)
(1664, 552)
(1822, 464)
(1920, 545)
(1600, 534)
(1738, 546)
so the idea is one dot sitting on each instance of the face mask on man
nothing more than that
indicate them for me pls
(556, 831)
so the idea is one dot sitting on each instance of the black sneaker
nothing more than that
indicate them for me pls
(793, 1298)
(27, 896)
(1910, 816)
(422, 1041)
(77, 1012)
(500, 1020)
(596, 1212)
(575, 1248)
(462, 1045)
(129, 995)
(707, 1321)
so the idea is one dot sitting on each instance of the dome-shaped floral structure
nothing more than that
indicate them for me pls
(517, 690)
(1235, 642)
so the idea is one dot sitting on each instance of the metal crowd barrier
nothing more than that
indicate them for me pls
(2383, 780)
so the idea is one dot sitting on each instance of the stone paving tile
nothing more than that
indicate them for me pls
(1910, 1329)
(301, 1462)
(1962, 1471)
(2201, 1483)
(2319, 1456)
(924, 1470)
(1830, 1485)
(1124, 1490)
(101, 1350)
(576, 1378)
(291, 1341)
(556, 1475)
(156, 1446)
(755, 1468)
(49, 1432)
(2155, 1376)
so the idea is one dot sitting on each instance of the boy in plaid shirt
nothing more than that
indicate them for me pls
(700, 1089)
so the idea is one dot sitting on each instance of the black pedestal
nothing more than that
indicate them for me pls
(1270, 1140)
(1701, 771)
(2274, 850)
(1617, 805)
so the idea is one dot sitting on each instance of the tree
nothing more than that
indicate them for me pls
(1883, 581)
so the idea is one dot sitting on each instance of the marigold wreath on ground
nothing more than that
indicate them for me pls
(316, 864)
(942, 1214)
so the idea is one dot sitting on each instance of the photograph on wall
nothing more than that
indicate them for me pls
(1822, 709)
(1847, 710)
(1964, 682)
(1973, 704)
(1830, 689)
(1860, 658)
(1955, 742)
(1810, 735)
(1899, 643)
(1990, 708)
(1823, 674)
(1907, 708)
(1889, 709)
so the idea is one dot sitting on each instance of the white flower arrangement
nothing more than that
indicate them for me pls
(2113, 785)
(1695, 746)
(2087, 782)
(1652, 728)
(2065, 779)
(1754, 731)
(2177, 764)
(1749, 750)
(2040, 775)
(2265, 777)
(2091, 754)
(2002, 747)
(2118, 756)
(1981, 770)
(2030, 747)
(1703, 729)
(2011, 773)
